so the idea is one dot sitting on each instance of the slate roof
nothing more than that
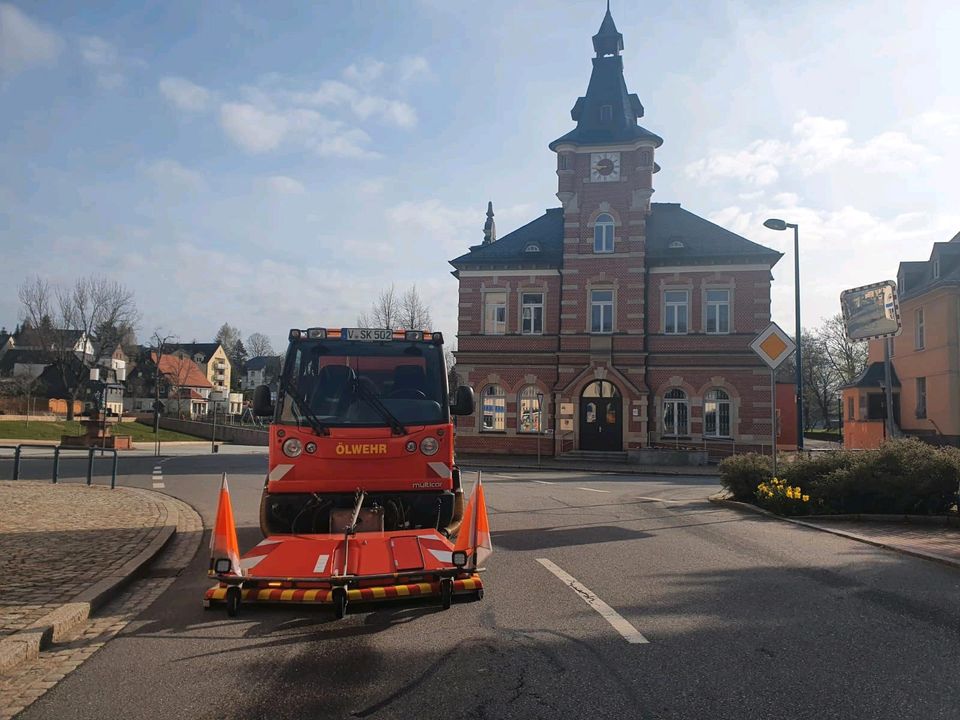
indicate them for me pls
(916, 278)
(205, 349)
(22, 356)
(546, 232)
(700, 240)
(260, 362)
(872, 376)
(703, 242)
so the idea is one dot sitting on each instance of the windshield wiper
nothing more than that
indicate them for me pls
(303, 410)
(364, 392)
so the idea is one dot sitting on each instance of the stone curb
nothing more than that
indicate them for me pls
(598, 468)
(26, 644)
(719, 499)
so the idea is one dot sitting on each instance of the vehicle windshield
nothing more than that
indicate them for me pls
(339, 383)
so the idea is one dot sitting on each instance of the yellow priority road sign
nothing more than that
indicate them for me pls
(773, 346)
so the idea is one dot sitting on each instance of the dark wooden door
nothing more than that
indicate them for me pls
(601, 423)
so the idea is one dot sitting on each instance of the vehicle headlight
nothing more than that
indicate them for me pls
(292, 447)
(429, 446)
(310, 447)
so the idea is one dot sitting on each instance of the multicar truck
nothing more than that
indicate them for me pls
(362, 492)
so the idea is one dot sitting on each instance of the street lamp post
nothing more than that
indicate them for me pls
(776, 224)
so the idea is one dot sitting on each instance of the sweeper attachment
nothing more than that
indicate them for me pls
(353, 566)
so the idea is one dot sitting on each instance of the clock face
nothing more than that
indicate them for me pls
(604, 167)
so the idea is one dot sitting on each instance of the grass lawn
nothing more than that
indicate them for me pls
(20, 430)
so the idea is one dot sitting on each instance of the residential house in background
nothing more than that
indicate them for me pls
(632, 320)
(213, 361)
(925, 358)
(184, 387)
(262, 370)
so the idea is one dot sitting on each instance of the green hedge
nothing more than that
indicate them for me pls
(901, 477)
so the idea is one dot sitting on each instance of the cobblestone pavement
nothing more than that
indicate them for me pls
(929, 538)
(58, 540)
(30, 681)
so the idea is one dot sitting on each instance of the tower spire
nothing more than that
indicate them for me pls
(490, 226)
(608, 40)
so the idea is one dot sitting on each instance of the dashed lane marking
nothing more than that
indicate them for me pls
(592, 489)
(159, 486)
(616, 620)
(543, 482)
(654, 499)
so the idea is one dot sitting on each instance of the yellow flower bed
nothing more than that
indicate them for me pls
(781, 498)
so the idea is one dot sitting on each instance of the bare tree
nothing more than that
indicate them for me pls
(65, 322)
(161, 345)
(846, 357)
(414, 314)
(385, 312)
(259, 345)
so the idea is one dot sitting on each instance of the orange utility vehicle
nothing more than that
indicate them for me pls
(362, 496)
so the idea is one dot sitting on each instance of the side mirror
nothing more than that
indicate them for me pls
(262, 403)
(464, 402)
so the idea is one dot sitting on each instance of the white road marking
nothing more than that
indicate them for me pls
(653, 499)
(616, 620)
(159, 486)
(592, 489)
(543, 482)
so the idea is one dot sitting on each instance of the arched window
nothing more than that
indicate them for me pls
(494, 415)
(603, 233)
(675, 413)
(716, 413)
(530, 410)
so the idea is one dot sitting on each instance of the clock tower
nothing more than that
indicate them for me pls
(605, 169)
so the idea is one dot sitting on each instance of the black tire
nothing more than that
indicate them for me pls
(478, 595)
(233, 601)
(340, 602)
(446, 593)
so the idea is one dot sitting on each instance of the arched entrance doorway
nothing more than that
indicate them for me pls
(601, 417)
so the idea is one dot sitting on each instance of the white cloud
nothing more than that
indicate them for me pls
(104, 59)
(283, 185)
(251, 128)
(24, 42)
(817, 143)
(364, 72)
(364, 105)
(259, 129)
(184, 94)
(173, 177)
(413, 67)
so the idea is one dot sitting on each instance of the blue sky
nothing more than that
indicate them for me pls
(276, 166)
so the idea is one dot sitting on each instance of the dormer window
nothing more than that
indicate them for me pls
(606, 113)
(532, 248)
(676, 244)
(936, 268)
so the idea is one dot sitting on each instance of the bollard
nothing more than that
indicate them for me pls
(56, 464)
(90, 466)
(113, 476)
(16, 463)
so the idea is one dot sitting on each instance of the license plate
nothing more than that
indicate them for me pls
(367, 334)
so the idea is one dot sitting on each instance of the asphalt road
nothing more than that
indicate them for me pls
(745, 617)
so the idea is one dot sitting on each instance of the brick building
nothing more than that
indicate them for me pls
(632, 319)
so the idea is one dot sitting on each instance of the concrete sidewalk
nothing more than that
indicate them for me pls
(66, 549)
(525, 462)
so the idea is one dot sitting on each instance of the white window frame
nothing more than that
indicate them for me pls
(712, 311)
(499, 309)
(527, 403)
(532, 307)
(608, 234)
(601, 304)
(714, 401)
(676, 403)
(500, 400)
(919, 331)
(673, 305)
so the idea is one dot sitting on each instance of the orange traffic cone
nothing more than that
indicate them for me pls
(474, 537)
(223, 540)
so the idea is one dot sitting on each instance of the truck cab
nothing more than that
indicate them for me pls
(362, 409)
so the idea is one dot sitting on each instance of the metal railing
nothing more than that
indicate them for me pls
(57, 451)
